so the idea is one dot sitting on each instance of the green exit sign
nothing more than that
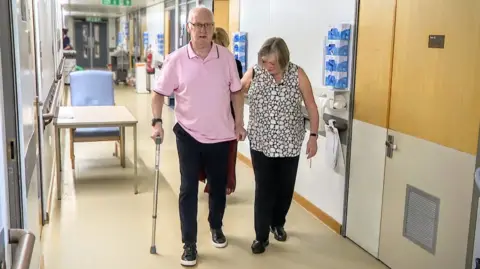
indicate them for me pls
(126, 3)
(94, 19)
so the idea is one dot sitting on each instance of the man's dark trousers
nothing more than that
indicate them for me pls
(194, 155)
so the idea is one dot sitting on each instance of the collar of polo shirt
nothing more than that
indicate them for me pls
(213, 54)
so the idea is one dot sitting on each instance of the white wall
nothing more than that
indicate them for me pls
(303, 24)
(155, 22)
(123, 21)
(70, 25)
(58, 25)
(47, 35)
(112, 37)
(112, 34)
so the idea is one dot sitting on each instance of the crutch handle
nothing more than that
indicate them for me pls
(158, 140)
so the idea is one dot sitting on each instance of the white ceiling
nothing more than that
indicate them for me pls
(95, 7)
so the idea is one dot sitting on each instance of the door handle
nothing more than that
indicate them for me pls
(24, 251)
(390, 146)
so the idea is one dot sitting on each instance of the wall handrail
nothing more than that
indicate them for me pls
(48, 117)
(49, 114)
(60, 68)
(23, 254)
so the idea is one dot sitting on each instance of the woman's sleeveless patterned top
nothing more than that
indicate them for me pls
(276, 124)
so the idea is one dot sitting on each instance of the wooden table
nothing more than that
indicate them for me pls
(74, 117)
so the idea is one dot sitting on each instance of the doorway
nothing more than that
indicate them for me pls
(91, 44)
(184, 9)
(415, 132)
(19, 169)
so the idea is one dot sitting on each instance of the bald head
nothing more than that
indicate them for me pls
(200, 27)
(200, 12)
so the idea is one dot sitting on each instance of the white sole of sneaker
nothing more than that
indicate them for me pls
(217, 245)
(188, 263)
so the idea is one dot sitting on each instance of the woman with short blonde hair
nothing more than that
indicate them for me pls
(276, 130)
(220, 37)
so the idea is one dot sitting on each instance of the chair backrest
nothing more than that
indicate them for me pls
(91, 88)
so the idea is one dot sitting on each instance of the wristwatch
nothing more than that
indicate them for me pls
(155, 121)
(314, 134)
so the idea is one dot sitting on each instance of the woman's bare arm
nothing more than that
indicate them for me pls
(247, 80)
(309, 100)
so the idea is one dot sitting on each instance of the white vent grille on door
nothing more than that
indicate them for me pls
(421, 218)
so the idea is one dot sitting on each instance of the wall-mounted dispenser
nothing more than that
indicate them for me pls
(337, 48)
(240, 48)
(330, 104)
(160, 44)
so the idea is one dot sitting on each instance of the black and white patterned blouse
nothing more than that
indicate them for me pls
(276, 123)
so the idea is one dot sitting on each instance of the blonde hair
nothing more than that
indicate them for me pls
(277, 46)
(220, 37)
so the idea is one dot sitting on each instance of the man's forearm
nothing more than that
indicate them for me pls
(238, 100)
(157, 105)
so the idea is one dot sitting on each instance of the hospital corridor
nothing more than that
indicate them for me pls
(218, 134)
(98, 204)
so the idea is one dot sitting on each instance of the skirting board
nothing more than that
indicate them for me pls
(42, 262)
(303, 202)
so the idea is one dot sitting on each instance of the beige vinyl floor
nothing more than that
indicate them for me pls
(101, 224)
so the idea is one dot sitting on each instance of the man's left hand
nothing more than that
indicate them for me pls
(240, 132)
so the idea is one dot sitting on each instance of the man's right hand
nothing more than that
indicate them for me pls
(157, 131)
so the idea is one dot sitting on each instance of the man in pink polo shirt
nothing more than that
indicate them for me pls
(204, 79)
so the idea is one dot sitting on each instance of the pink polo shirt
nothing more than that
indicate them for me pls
(202, 91)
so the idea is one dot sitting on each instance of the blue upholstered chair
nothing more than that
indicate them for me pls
(92, 88)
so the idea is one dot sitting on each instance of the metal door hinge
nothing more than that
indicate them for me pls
(390, 146)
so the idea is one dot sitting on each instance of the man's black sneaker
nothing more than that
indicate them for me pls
(218, 238)
(259, 247)
(279, 233)
(189, 256)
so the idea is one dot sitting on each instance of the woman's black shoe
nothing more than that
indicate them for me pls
(279, 233)
(259, 246)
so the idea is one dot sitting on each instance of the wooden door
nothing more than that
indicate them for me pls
(221, 11)
(370, 123)
(433, 122)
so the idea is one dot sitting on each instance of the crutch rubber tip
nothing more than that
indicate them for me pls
(153, 250)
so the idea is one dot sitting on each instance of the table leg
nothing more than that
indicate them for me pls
(122, 146)
(135, 157)
(59, 135)
(58, 162)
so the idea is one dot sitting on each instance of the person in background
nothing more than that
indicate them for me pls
(276, 130)
(220, 37)
(204, 78)
(66, 40)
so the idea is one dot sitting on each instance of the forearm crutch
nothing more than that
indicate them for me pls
(158, 141)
